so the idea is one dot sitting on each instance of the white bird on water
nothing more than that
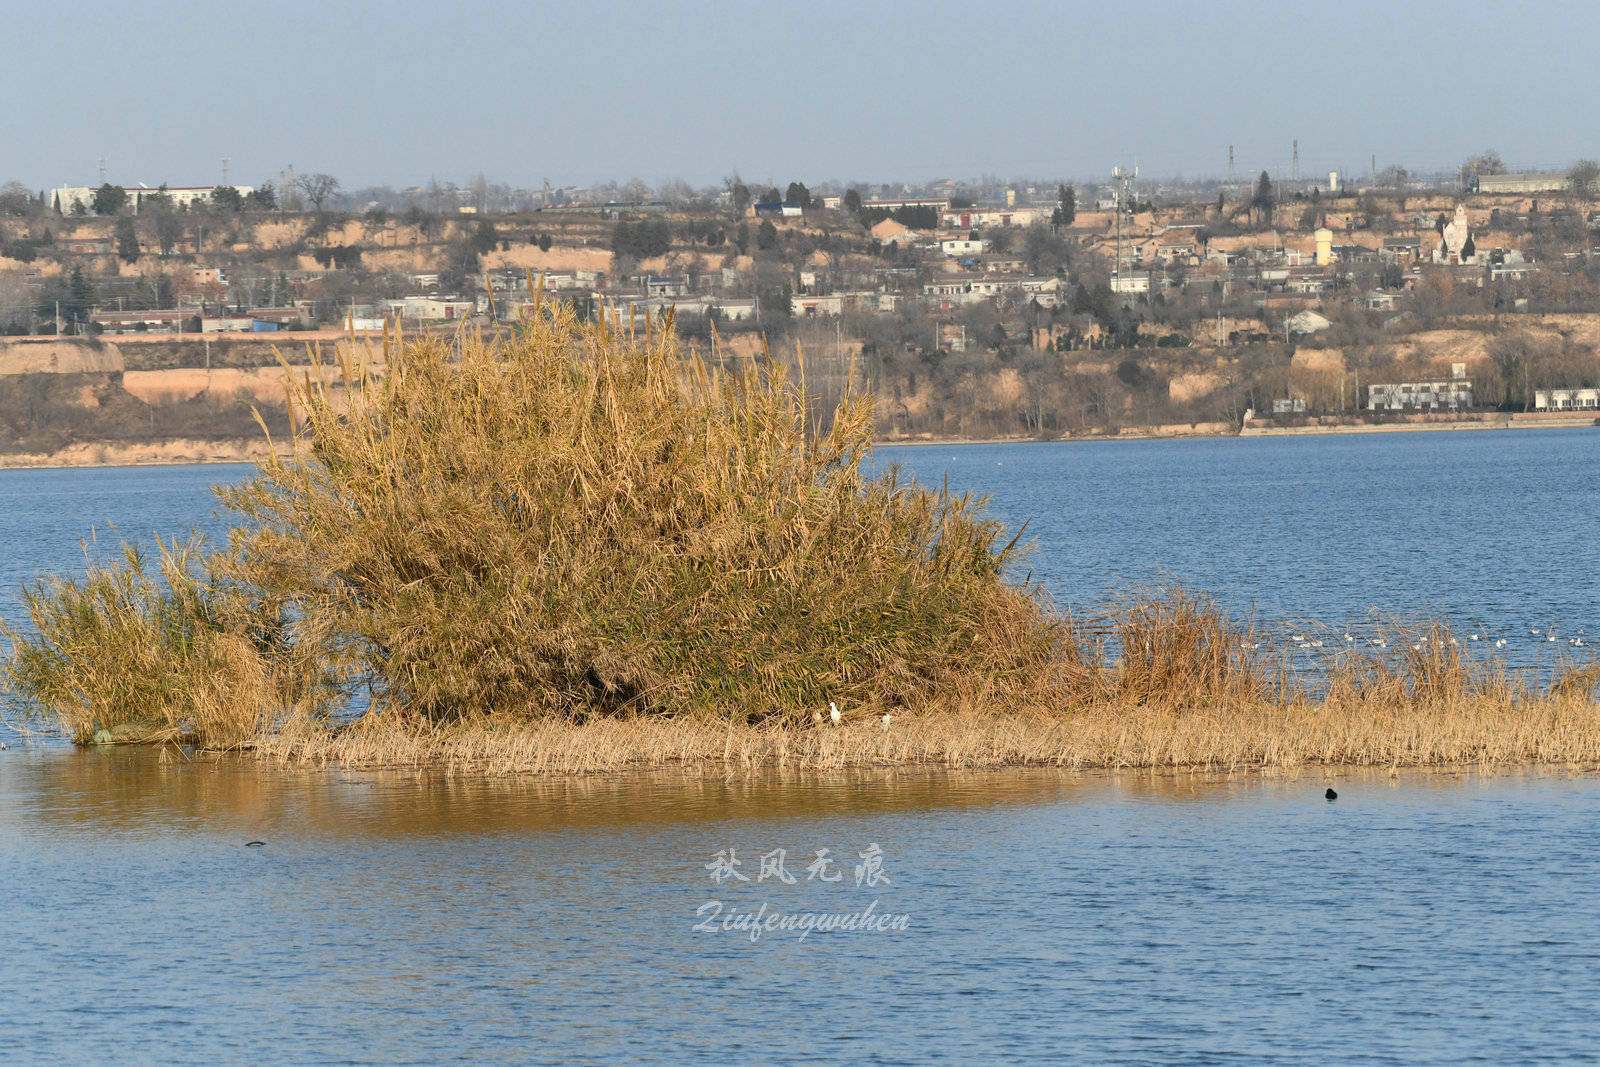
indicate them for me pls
(833, 713)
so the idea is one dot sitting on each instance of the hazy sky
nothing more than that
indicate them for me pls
(398, 92)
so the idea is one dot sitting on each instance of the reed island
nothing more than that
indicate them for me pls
(570, 548)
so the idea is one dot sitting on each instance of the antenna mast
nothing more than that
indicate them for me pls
(1121, 177)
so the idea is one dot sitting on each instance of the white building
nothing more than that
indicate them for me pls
(814, 306)
(736, 310)
(963, 246)
(1307, 321)
(968, 217)
(1566, 399)
(67, 198)
(1452, 394)
(427, 308)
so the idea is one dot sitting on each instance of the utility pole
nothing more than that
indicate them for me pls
(1231, 178)
(1297, 161)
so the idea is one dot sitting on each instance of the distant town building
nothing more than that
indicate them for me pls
(1453, 394)
(1566, 399)
(1401, 248)
(963, 246)
(79, 199)
(1455, 245)
(968, 217)
(816, 306)
(1521, 183)
(427, 308)
(889, 230)
(779, 208)
(940, 204)
(1323, 237)
(1306, 322)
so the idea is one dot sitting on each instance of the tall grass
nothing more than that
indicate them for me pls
(135, 652)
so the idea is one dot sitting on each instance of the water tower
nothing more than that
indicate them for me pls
(1324, 239)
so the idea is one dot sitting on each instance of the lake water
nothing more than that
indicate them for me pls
(1083, 917)
(1089, 917)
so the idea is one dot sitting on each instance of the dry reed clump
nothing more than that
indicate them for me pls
(575, 523)
(1178, 649)
(126, 655)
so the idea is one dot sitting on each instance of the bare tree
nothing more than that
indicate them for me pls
(1584, 177)
(16, 310)
(676, 191)
(1394, 177)
(1486, 162)
(317, 188)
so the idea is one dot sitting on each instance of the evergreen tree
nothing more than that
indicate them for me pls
(1066, 206)
(109, 199)
(127, 240)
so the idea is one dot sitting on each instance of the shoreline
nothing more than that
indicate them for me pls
(1464, 425)
(178, 452)
(1269, 736)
